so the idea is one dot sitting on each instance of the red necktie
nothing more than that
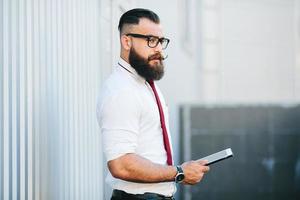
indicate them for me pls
(163, 124)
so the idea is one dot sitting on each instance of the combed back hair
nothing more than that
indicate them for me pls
(132, 17)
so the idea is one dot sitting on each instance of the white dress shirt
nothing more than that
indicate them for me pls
(129, 120)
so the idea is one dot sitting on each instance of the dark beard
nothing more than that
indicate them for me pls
(143, 67)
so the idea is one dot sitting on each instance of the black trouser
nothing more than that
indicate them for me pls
(121, 195)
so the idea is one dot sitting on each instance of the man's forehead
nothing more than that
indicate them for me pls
(147, 27)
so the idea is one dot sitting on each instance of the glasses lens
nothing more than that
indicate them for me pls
(152, 42)
(164, 43)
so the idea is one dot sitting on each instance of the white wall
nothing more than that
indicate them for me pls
(242, 51)
(250, 50)
(50, 147)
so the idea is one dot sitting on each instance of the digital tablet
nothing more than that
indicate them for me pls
(216, 157)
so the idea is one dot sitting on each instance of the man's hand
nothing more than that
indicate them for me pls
(194, 171)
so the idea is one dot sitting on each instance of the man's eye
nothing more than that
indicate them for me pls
(152, 40)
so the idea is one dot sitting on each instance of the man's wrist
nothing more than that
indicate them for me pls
(180, 174)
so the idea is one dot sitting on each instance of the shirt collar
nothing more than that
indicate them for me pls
(129, 69)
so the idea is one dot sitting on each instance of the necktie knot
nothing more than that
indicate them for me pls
(151, 82)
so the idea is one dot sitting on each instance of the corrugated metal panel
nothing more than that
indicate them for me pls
(49, 68)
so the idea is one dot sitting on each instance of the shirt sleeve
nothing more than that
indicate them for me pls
(118, 116)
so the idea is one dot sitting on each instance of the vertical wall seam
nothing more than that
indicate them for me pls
(1, 101)
(9, 28)
(18, 117)
(25, 104)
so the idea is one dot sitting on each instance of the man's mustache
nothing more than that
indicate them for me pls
(157, 56)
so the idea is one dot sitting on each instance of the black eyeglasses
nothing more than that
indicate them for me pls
(152, 40)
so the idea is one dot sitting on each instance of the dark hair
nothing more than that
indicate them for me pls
(133, 17)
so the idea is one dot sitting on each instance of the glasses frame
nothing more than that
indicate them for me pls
(148, 38)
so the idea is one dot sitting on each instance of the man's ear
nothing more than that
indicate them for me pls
(125, 42)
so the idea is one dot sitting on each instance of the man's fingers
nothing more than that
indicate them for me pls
(202, 162)
(205, 169)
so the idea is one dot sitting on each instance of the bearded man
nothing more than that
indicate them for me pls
(133, 117)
